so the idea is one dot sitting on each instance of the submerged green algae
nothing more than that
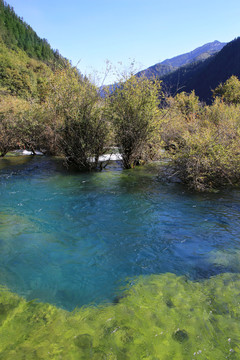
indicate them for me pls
(12, 160)
(160, 317)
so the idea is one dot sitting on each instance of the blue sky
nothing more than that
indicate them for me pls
(147, 31)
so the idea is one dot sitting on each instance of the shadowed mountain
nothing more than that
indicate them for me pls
(204, 76)
(169, 65)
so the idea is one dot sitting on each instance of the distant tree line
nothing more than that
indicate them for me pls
(74, 121)
(57, 110)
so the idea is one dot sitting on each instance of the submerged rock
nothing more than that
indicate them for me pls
(180, 335)
(83, 341)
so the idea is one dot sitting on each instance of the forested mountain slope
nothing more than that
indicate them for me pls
(21, 75)
(16, 34)
(26, 61)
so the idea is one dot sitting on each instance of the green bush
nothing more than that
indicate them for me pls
(133, 111)
(77, 113)
(205, 145)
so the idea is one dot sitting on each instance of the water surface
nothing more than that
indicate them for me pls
(73, 239)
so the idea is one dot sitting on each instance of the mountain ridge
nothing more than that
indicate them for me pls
(169, 65)
(204, 76)
(184, 59)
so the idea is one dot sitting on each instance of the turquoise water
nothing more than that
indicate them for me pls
(72, 239)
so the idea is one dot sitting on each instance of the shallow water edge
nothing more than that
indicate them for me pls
(160, 317)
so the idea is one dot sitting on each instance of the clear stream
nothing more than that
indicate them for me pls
(73, 239)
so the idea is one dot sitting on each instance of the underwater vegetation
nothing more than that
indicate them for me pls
(159, 317)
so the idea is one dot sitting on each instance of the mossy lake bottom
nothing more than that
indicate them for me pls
(115, 265)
